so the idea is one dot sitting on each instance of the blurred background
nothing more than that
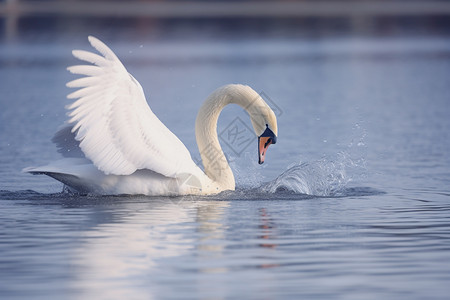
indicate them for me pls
(236, 18)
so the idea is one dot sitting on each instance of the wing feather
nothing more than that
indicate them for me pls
(85, 70)
(83, 82)
(111, 120)
(90, 57)
(103, 49)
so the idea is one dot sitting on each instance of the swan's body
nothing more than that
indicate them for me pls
(114, 144)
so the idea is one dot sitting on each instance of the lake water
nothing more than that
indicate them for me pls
(353, 201)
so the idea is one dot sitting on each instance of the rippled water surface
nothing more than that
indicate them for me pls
(353, 201)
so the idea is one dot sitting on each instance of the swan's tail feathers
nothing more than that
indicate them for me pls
(65, 166)
(32, 170)
(78, 173)
(54, 174)
(58, 176)
(71, 182)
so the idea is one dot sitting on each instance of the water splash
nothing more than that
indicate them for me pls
(247, 172)
(324, 177)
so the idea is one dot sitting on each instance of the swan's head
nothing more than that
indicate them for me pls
(267, 138)
(264, 123)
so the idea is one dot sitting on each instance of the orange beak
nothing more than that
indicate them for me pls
(264, 141)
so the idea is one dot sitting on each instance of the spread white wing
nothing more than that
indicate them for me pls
(116, 128)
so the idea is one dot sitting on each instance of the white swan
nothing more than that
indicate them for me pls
(126, 149)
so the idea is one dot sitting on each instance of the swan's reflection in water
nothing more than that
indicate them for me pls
(211, 230)
(118, 258)
(267, 229)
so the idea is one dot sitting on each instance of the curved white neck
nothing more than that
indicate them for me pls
(214, 161)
